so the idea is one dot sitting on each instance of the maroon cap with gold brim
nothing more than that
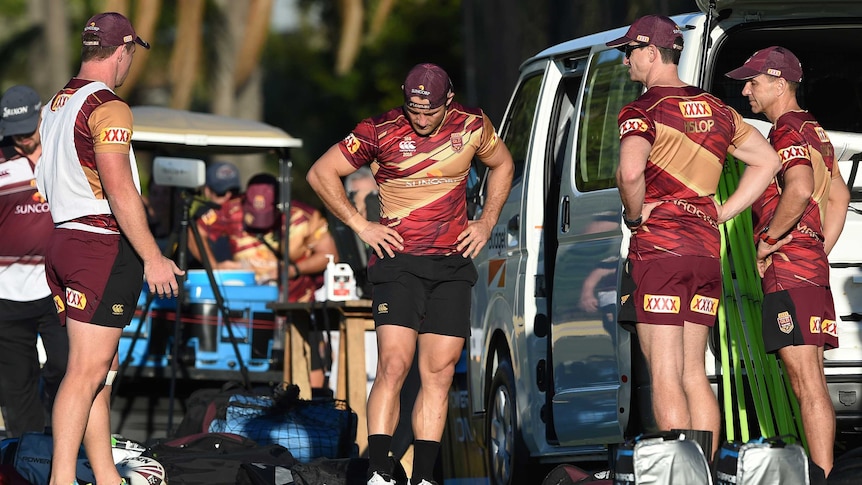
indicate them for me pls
(110, 29)
(775, 61)
(657, 30)
(427, 81)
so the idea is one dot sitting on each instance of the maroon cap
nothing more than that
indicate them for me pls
(427, 81)
(775, 61)
(111, 29)
(658, 30)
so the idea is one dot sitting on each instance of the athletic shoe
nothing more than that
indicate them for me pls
(425, 482)
(381, 479)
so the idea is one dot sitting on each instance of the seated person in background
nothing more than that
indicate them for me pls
(221, 217)
(251, 225)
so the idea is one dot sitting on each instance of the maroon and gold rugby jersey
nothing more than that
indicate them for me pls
(799, 140)
(422, 180)
(691, 132)
(307, 227)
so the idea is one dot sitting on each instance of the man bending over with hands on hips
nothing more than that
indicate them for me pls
(421, 269)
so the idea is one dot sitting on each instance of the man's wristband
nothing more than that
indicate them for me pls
(296, 273)
(765, 237)
(632, 223)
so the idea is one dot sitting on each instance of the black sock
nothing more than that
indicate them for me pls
(378, 454)
(424, 458)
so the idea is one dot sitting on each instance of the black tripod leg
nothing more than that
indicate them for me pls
(225, 312)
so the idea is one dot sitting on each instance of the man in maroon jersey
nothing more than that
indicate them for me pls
(101, 246)
(421, 268)
(26, 307)
(673, 142)
(797, 221)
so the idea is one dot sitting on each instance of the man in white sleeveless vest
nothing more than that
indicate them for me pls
(101, 246)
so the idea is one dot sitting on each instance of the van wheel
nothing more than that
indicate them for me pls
(506, 454)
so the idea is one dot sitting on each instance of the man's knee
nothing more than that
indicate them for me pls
(394, 368)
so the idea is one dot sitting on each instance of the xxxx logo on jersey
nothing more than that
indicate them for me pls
(351, 143)
(116, 136)
(634, 124)
(793, 152)
(661, 304)
(695, 109)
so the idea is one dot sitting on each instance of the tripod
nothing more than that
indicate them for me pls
(187, 197)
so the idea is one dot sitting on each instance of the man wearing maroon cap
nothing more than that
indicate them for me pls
(673, 143)
(101, 247)
(797, 221)
(423, 243)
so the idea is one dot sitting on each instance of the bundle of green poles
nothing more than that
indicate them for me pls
(749, 376)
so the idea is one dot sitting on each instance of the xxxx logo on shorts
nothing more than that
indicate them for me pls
(814, 324)
(704, 304)
(58, 304)
(785, 322)
(829, 327)
(661, 304)
(76, 299)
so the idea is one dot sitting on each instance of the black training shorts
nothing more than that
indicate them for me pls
(430, 294)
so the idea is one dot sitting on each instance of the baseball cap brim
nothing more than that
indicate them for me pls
(619, 42)
(19, 127)
(743, 73)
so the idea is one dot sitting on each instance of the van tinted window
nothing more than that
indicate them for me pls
(607, 90)
(519, 125)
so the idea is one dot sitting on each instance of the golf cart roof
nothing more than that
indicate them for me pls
(160, 125)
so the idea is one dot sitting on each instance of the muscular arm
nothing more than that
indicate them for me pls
(836, 210)
(795, 196)
(477, 233)
(634, 153)
(762, 164)
(325, 178)
(128, 207)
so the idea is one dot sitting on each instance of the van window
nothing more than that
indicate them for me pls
(608, 88)
(519, 125)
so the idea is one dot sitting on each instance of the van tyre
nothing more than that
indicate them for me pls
(506, 454)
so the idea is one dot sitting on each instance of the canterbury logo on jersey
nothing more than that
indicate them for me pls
(635, 124)
(695, 109)
(661, 304)
(351, 143)
(704, 304)
(115, 135)
(76, 299)
(793, 152)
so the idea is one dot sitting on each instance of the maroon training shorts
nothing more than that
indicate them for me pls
(94, 278)
(799, 316)
(671, 291)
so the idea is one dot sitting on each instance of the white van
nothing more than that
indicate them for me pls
(549, 374)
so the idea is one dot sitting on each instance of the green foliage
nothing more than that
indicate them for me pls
(305, 97)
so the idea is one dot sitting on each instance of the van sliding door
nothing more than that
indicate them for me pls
(590, 352)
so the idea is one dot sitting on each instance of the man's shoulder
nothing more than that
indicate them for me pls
(393, 116)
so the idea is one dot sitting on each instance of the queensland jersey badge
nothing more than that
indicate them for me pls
(457, 142)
